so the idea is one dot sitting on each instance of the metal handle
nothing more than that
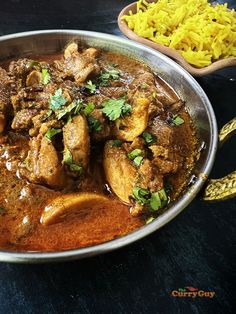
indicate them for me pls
(220, 189)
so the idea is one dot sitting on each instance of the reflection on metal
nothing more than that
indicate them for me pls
(220, 189)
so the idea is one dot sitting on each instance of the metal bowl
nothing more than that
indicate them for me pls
(198, 105)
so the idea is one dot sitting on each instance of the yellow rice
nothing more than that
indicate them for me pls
(200, 32)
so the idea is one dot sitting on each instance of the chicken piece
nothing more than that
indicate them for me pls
(159, 151)
(119, 171)
(37, 121)
(144, 81)
(34, 98)
(166, 159)
(4, 98)
(113, 92)
(53, 123)
(42, 164)
(149, 176)
(2, 122)
(162, 131)
(34, 78)
(104, 130)
(80, 65)
(23, 119)
(69, 205)
(76, 140)
(133, 125)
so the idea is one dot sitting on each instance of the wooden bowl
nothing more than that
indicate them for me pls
(220, 64)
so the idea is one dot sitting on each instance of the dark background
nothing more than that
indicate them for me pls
(195, 249)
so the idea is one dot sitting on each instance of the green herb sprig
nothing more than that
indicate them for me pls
(57, 100)
(115, 108)
(154, 200)
(68, 160)
(52, 132)
(45, 76)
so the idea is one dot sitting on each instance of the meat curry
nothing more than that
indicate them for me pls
(93, 145)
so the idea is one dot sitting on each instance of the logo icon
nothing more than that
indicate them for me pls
(192, 292)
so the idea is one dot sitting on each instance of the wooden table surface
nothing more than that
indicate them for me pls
(197, 249)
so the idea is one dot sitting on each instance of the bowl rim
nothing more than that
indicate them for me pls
(216, 65)
(172, 212)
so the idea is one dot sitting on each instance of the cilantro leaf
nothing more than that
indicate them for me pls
(141, 195)
(46, 76)
(114, 108)
(177, 120)
(134, 153)
(60, 114)
(89, 108)
(94, 124)
(109, 74)
(68, 160)
(57, 100)
(79, 105)
(77, 168)
(116, 143)
(138, 160)
(91, 87)
(149, 138)
(51, 132)
(74, 106)
(155, 201)
(67, 157)
(158, 200)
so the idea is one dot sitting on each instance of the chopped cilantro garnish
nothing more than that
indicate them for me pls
(158, 200)
(69, 118)
(91, 87)
(79, 105)
(135, 156)
(149, 138)
(163, 196)
(141, 195)
(67, 157)
(73, 109)
(57, 100)
(110, 74)
(60, 114)
(51, 132)
(138, 160)
(177, 120)
(89, 108)
(134, 153)
(77, 168)
(116, 143)
(94, 124)
(114, 108)
(154, 200)
(68, 160)
(46, 76)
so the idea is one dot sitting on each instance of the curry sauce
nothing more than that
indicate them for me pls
(91, 140)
